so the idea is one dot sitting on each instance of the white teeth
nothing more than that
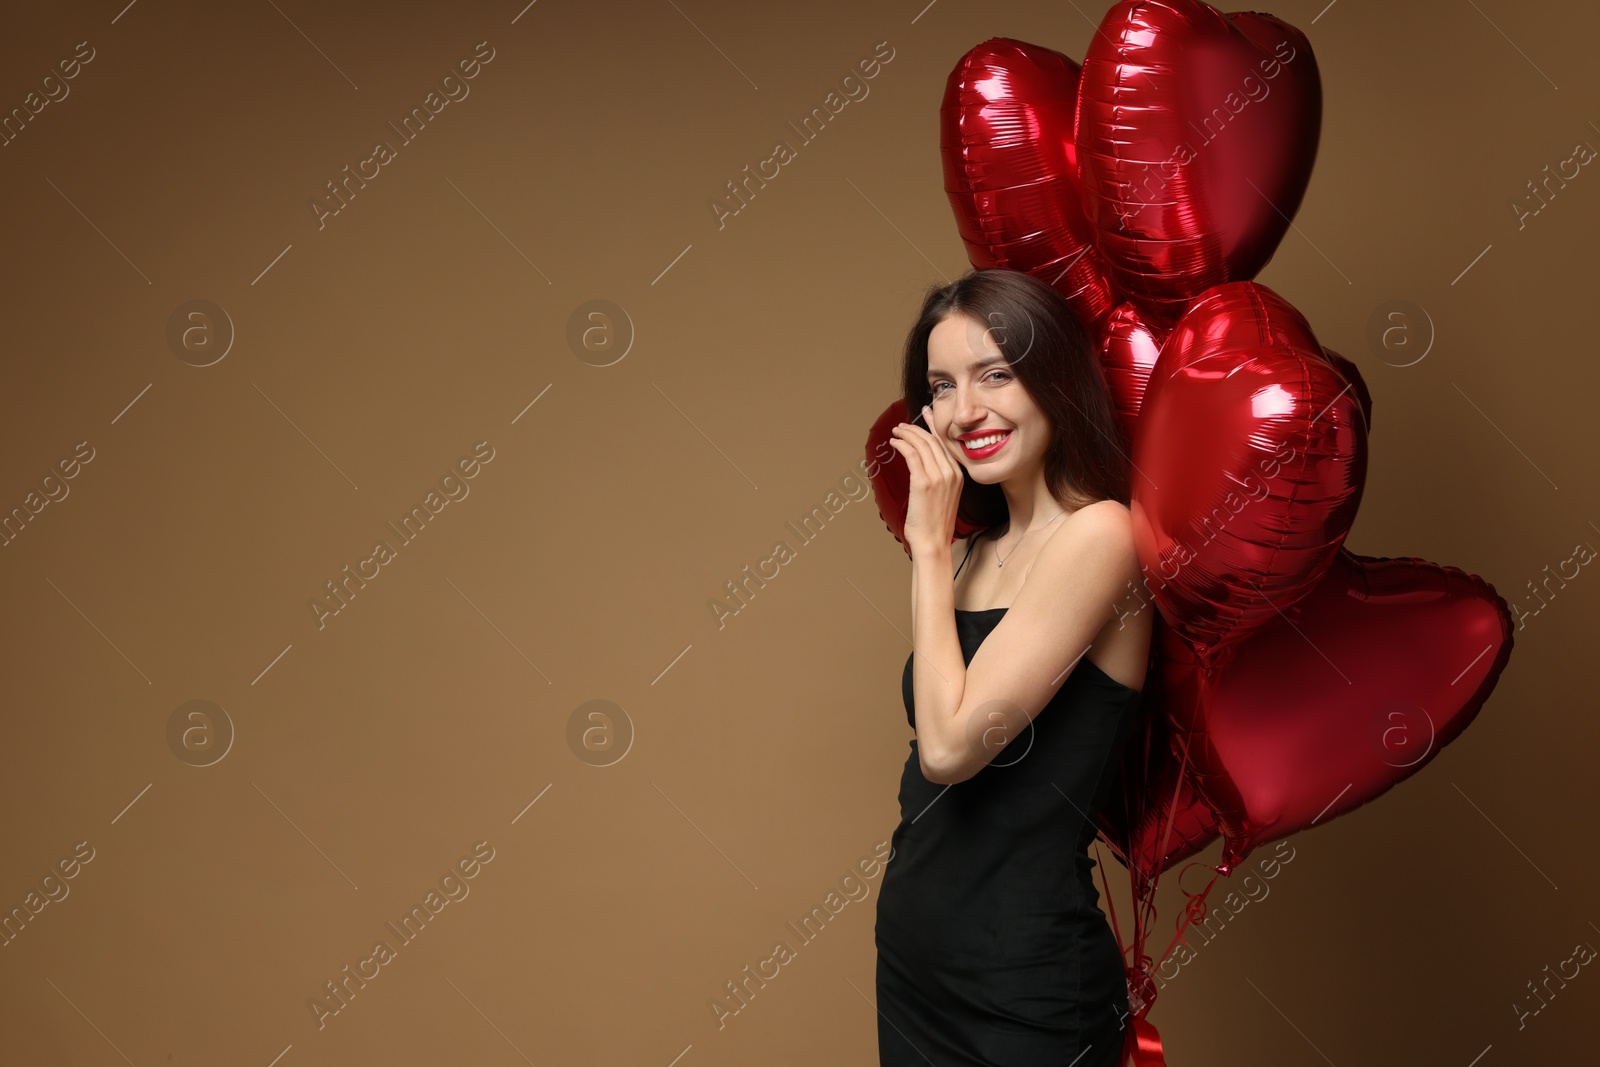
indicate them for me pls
(982, 442)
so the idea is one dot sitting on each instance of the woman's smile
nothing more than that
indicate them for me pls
(985, 446)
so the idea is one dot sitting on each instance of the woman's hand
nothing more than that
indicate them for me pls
(936, 481)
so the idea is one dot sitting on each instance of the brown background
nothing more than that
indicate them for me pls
(370, 755)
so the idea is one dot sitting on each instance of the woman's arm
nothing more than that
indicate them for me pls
(966, 714)
(938, 672)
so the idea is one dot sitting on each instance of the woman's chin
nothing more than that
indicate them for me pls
(988, 470)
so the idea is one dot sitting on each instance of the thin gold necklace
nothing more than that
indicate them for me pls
(999, 562)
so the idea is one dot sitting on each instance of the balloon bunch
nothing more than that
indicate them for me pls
(1292, 680)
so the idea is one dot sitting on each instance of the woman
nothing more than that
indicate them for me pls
(1022, 688)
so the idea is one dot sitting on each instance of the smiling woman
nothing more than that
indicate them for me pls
(991, 945)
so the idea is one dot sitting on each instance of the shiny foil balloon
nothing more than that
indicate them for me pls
(1357, 687)
(1196, 135)
(1172, 820)
(1129, 349)
(1010, 170)
(1358, 385)
(1249, 461)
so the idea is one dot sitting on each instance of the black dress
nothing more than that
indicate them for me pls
(992, 950)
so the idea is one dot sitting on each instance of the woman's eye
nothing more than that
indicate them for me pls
(991, 376)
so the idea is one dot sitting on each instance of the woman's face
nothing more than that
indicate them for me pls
(976, 396)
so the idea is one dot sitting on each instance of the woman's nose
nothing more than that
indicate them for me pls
(967, 409)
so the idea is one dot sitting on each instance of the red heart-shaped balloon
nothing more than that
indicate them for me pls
(1009, 145)
(1249, 461)
(1355, 688)
(1196, 135)
(1129, 349)
(1352, 377)
(1007, 138)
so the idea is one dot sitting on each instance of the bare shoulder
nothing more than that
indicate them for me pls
(1095, 557)
(1105, 522)
(1097, 538)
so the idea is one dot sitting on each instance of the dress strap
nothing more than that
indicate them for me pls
(970, 546)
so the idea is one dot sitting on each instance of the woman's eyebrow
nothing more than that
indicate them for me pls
(987, 362)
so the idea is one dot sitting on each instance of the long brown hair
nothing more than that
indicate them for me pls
(1048, 349)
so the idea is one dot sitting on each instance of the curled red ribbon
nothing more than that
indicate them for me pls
(1143, 1046)
(1142, 1042)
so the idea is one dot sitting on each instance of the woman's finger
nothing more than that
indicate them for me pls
(955, 468)
(904, 443)
(936, 457)
(927, 450)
